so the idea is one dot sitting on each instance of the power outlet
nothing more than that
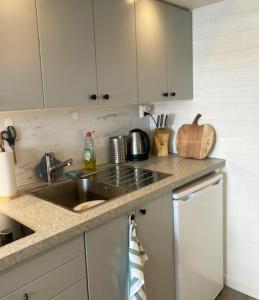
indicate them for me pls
(145, 108)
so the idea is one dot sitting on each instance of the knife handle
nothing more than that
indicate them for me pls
(158, 121)
(162, 120)
(166, 120)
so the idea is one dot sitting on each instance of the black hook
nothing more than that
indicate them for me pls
(132, 217)
(143, 211)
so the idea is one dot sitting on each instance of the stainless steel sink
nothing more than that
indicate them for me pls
(106, 184)
(128, 177)
(73, 192)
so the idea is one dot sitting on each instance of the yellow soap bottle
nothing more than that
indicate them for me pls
(89, 152)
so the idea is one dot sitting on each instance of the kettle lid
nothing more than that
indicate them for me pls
(136, 130)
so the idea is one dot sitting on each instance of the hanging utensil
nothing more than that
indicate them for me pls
(9, 135)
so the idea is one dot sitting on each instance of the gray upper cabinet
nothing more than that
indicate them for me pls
(116, 51)
(20, 73)
(66, 31)
(180, 73)
(151, 50)
(64, 53)
(164, 42)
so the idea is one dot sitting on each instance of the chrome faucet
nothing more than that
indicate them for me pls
(51, 168)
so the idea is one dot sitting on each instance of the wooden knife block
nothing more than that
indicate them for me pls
(161, 138)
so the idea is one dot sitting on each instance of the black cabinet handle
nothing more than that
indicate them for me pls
(106, 97)
(143, 211)
(173, 94)
(25, 297)
(165, 94)
(93, 97)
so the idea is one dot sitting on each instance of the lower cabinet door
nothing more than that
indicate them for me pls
(107, 260)
(53, 283)
(155, 233)
(77, 292)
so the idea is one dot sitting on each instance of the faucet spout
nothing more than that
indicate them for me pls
(61, 165)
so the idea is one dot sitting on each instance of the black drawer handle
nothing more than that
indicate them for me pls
(165, 94)
(173, 94)
(106, 97)
(143, 211)
(93, 97)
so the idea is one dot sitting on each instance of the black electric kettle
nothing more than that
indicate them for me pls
(138, 145)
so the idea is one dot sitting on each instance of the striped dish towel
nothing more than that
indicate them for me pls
(137, 259)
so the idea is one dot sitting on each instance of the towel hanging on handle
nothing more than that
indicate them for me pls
(137, 259)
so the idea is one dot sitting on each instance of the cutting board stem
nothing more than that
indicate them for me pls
(197, 118)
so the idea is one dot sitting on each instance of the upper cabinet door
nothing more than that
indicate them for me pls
(152, 52)
(67, 48)
(180, 67)
(20, 74)
(116, 51)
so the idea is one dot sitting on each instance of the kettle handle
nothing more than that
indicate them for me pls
(146, 142)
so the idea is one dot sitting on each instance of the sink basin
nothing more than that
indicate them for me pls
(106, 184)
(73, 192)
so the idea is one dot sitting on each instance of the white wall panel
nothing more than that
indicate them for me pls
(226, 25)
(247, 94)
(240, 40)
(229, 60)
(223, 9)
(244, 77)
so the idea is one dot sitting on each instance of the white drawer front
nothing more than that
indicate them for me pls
(53, 283)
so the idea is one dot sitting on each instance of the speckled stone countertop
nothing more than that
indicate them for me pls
(53, 224)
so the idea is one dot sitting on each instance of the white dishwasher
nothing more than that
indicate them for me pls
(198, 230)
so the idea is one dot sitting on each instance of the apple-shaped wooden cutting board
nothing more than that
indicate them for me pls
(195, 141)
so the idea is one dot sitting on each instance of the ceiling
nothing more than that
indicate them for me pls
(191, 4)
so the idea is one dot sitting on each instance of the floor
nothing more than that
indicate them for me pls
(229, 294)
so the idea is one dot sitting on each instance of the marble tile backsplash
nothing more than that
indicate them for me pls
(62, 131)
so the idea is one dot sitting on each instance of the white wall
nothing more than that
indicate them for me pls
(57, 130)
(226, 92)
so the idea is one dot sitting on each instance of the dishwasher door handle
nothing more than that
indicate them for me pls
(196, 194)
(188, 192)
